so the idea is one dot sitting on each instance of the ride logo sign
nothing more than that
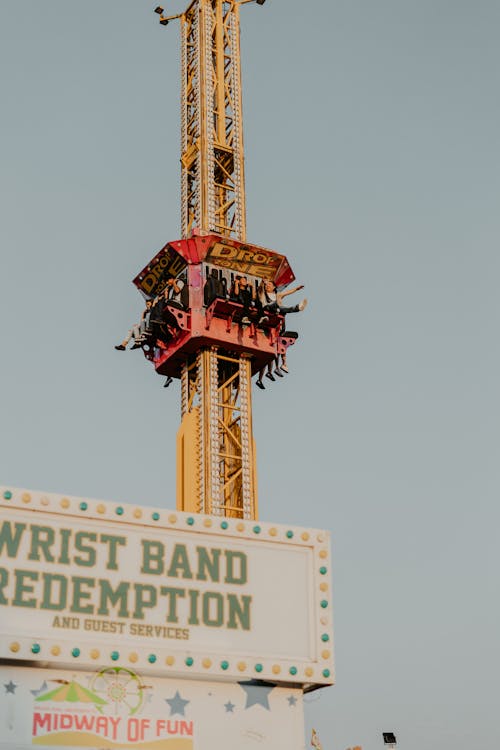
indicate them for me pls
(108, 713)
(247, 259)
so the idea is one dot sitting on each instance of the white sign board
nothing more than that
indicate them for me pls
(120, 708)
(85, 582)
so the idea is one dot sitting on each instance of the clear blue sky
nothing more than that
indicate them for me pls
(372, 133)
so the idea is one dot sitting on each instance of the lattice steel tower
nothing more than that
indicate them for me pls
(199, 336)
(213, 185)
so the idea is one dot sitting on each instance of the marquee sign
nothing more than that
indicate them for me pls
(84, 581)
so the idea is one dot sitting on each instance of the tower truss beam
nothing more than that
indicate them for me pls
(212, 164)
(215, 440)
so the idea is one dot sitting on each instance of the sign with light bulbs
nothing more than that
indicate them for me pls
(85, 581)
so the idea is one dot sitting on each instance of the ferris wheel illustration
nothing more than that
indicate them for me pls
(121, 688)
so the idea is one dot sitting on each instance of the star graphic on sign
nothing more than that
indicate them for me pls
(229, 707)
(41, 689)
(292, 700)
(257, 694)
(10, 687)
(177, 704)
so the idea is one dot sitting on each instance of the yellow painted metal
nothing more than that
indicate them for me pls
(188, 450)
(212, 163)
(215, 447)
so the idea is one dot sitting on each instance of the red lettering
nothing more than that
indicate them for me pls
(41, 721)
(84, 722)
(174, 726)
(133, 730)
(101, 725)
(66, 721)
(115, 721)
(187, 728)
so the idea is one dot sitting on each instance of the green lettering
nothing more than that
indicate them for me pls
(21, 588)
(143, 600)
(65, 537)
(114, 596)
(205, 562)
(80, 537)
(193, 607)
(48, 580)
(241, 576)
(80, 594)
(239, 609)
(113, 543)
(213, 609)
(180, 561)
(42, 538)
(152, 557)
(4, 579)
(172, 595)
(8, 540)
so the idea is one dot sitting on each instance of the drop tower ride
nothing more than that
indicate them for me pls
(206, 344)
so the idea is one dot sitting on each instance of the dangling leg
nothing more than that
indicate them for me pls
(277, 370)
(269, 373)
(259, 382)
(296, 308)
(134, 332)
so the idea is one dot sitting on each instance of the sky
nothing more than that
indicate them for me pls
(372, 144)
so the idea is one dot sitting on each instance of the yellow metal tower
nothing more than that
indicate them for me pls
(213, 185)
(216, 454)
(211, 351)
